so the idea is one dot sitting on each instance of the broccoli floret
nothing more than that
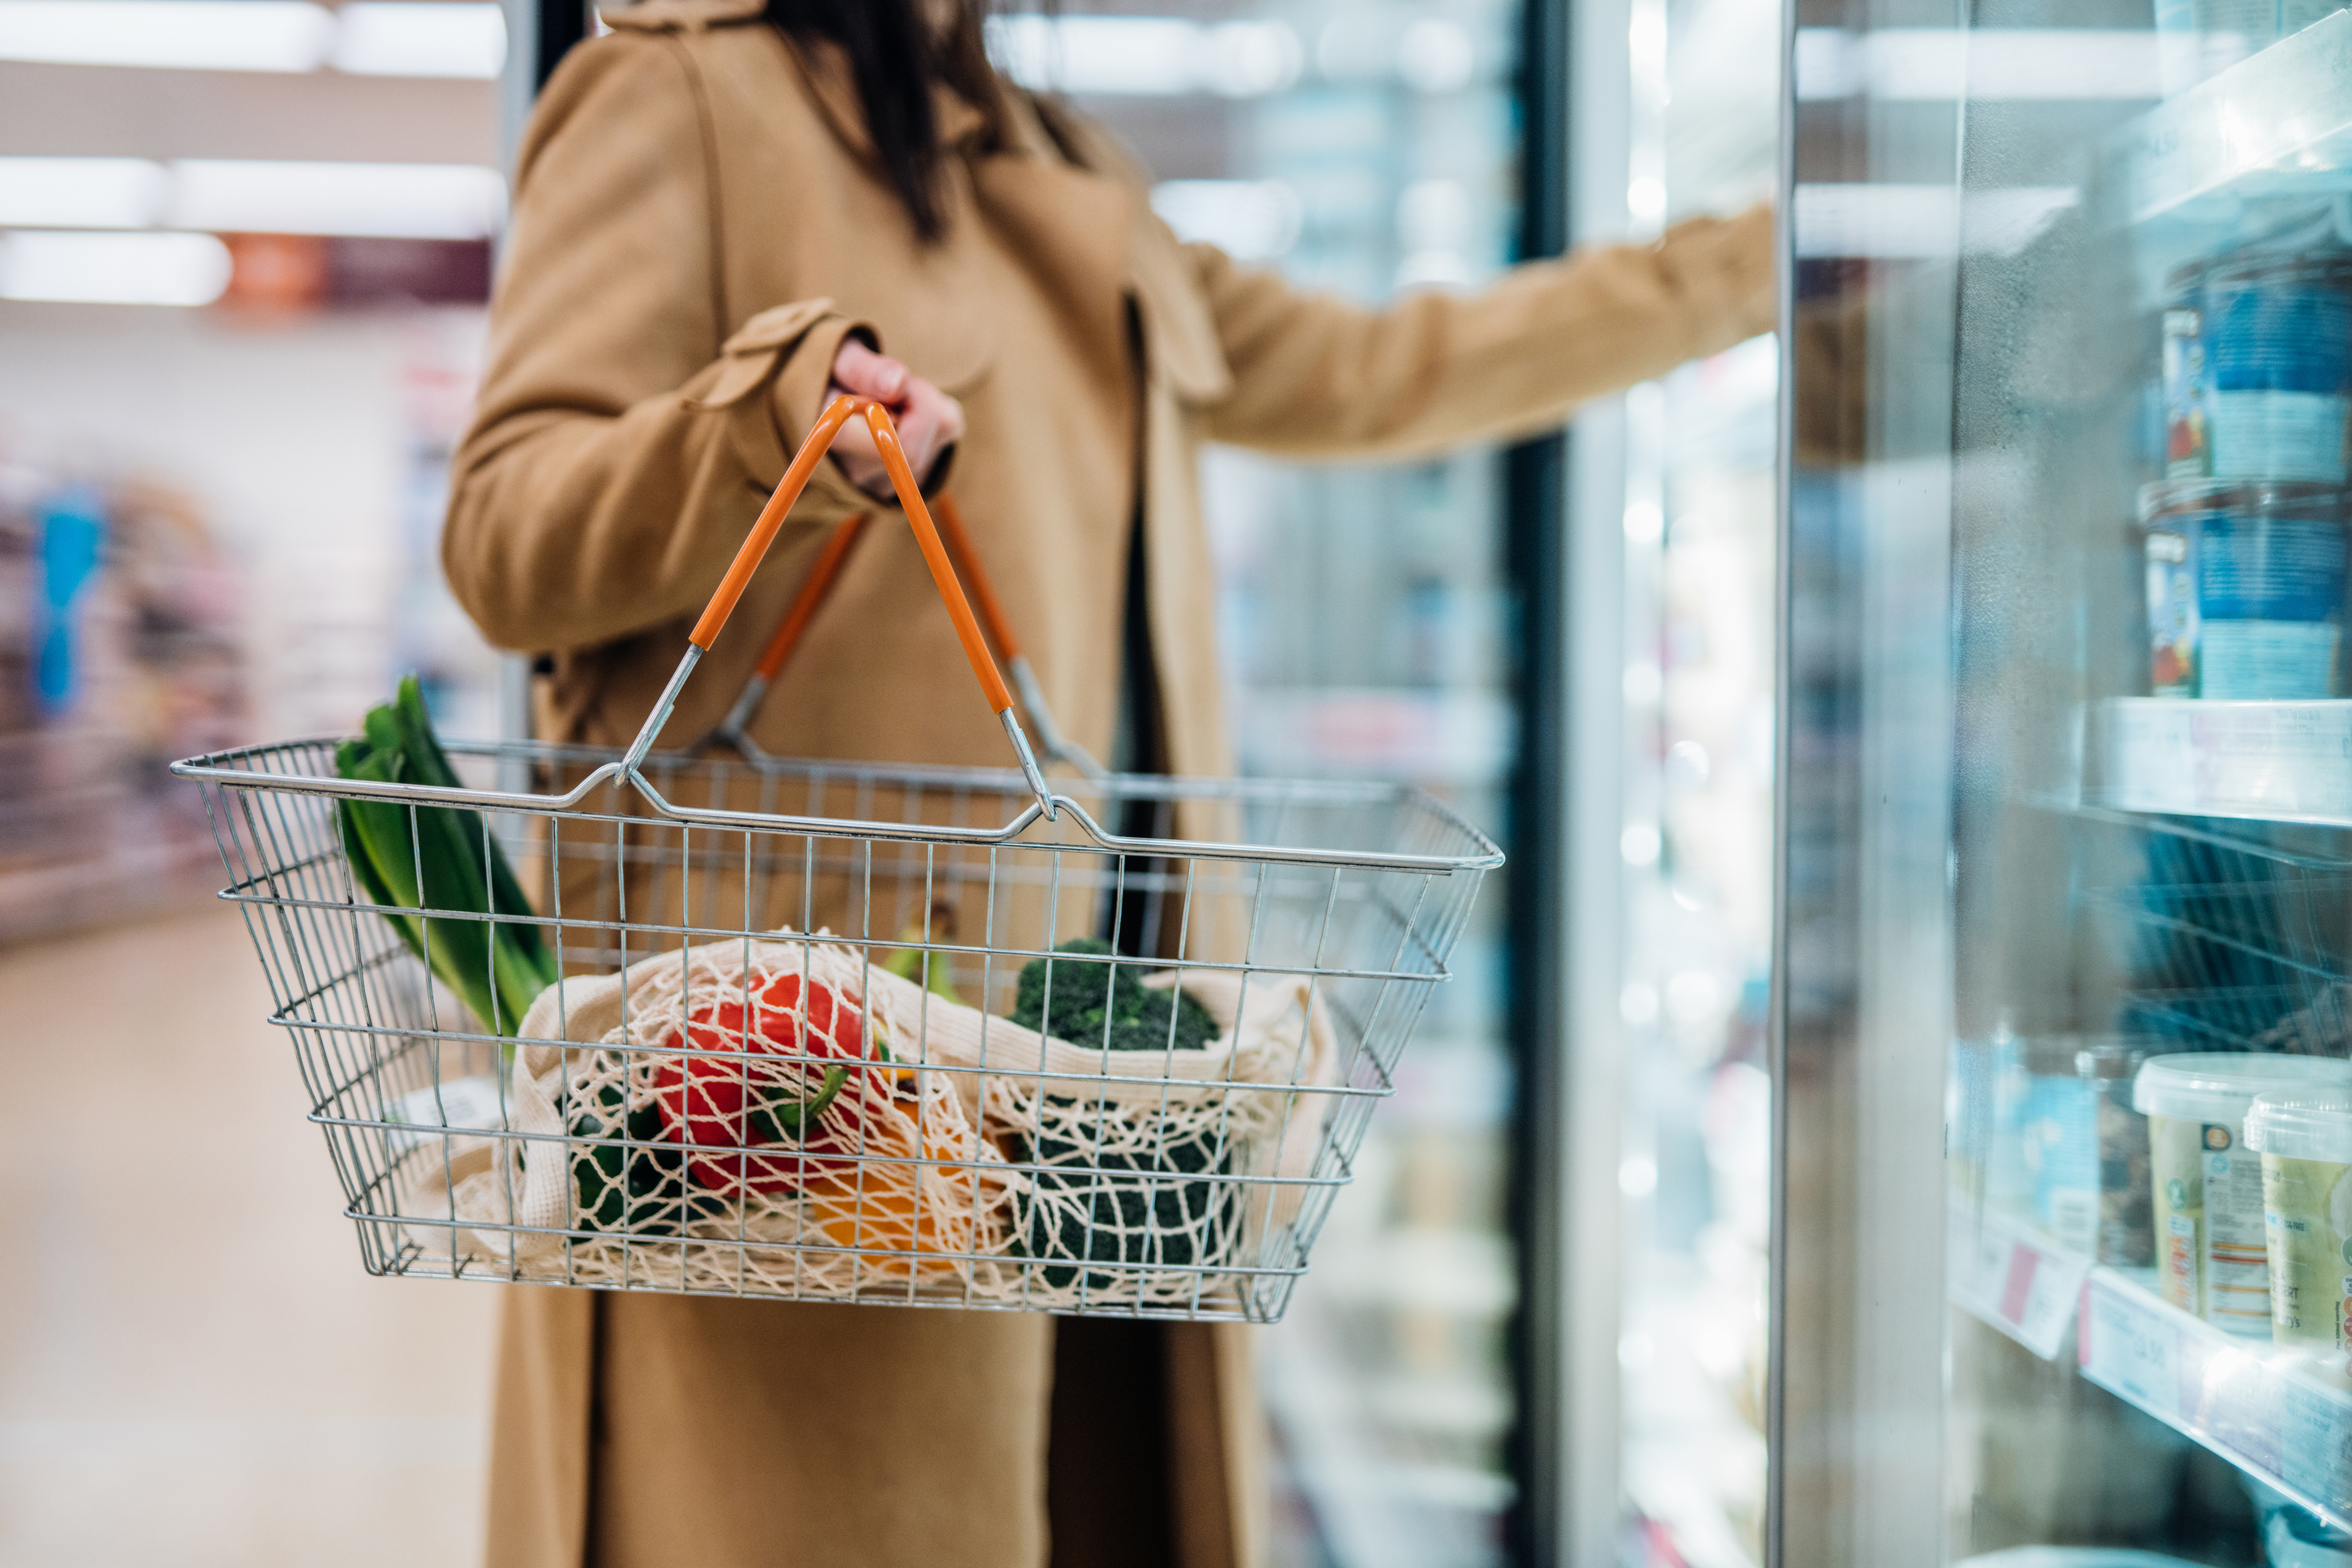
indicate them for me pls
(1087, 993)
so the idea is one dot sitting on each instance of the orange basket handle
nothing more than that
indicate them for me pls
(1058, 746)
(927, 539)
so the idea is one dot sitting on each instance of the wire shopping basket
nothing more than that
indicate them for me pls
(825, 1030)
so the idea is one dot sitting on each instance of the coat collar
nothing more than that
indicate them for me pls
(680, 16)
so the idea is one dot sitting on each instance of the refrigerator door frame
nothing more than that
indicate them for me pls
(1862, 982)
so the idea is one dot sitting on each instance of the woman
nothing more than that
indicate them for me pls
(726, 211)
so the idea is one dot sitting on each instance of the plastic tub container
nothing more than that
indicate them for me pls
(2245, 588)
(2304, 1138)
(2277, 330)
(2211, 1255)
(2127, 1233)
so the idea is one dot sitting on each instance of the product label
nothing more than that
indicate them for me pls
(2186, 435)
(2268, 569)
(2209, 1215)
(2172, 612)
(2277, 334)
(2278, 435)
(2278, 660)
(2307, 1213)
(2062, 1149)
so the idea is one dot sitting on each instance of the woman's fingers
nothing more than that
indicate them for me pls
(928, 421)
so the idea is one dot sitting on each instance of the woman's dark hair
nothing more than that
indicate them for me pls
(896, 54)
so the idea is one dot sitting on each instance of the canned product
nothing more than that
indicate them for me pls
(2213, 1252)
(2245, 588)
(2276, 336)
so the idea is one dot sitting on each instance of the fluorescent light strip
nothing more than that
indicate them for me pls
(1145, 56)
(82, 192)
(398, 201)
(1918, 223)
(401, 201)
(113, 268)
(371, 37)
(1987, 64)
(412, 38)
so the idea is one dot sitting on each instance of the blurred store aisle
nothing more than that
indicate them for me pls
(193, 1368)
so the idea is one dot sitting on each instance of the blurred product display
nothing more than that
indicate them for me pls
(121, 644)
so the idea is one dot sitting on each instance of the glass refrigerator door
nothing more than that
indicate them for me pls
(2064, 1247)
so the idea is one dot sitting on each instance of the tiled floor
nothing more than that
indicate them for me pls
(193, 1368)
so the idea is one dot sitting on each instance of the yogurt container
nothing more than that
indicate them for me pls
(2212, 1254)
(2276, 333)
(2246, 586)
(2304, 1139)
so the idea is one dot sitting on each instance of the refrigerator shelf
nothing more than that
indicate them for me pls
(2268, 761)
(2283, 116)
(2012, 1276)
(2236, 1397)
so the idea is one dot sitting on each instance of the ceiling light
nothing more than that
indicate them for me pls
(1981, 64)
(1144, 55)
(113, 268)
(81, 193)
(406, 38)
(403, 201)
(193, 35)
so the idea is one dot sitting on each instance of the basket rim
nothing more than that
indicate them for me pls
(233, 768)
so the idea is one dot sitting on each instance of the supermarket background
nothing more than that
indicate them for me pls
(245, 249)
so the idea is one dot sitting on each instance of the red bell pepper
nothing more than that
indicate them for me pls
(725, 1096)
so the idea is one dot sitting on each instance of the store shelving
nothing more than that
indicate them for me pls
(2237, 1396)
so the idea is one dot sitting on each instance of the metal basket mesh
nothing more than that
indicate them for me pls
(1312, 919)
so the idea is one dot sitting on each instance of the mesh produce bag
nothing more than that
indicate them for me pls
(777, 1115)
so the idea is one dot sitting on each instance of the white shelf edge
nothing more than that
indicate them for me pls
(2236, 1397)
(2255, 761)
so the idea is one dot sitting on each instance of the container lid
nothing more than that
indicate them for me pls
(2303, 1124)
(2183, 498)
(2218, 1086)
(2110, 1058)
(2329, 268)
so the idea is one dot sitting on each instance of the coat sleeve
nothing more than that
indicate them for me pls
(623, 445)
(1314, 376)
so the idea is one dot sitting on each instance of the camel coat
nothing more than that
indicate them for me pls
(697, 224)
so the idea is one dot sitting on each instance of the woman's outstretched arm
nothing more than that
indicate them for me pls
(1314, 376)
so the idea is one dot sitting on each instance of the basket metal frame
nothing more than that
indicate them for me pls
(337, 973)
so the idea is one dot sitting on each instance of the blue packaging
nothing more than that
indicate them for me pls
(2245, 589)
(2276, 337)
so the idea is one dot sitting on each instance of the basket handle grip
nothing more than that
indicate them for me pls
(754, 549)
